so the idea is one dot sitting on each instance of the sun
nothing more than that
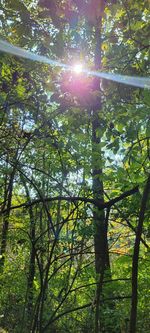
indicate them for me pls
(77, 68)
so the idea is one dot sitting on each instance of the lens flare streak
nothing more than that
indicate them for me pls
(140, 82)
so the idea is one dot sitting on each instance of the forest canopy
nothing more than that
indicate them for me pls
(75, 168)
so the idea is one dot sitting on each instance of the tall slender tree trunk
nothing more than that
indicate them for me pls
(135, 260)
(6, 219)
(98, 193)
(31, 273)
(28, 311)
(100, 228)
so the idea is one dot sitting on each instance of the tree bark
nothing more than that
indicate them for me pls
(135, 260)
(100, 228)
(28, 309)
(6, 219)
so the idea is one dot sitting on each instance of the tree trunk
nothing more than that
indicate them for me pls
(31, 273)
(6, 219)
(100, 227)
(135, 260)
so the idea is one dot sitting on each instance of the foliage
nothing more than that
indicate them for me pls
(48, 278)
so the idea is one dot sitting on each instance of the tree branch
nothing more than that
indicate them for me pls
(66, 312)
(83, 199)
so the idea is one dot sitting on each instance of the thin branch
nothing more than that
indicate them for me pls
(65, 313)
(95, 202)
(95, 283)
(83, 307)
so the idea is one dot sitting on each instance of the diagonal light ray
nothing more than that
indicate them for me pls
(135, 81)
(20, 52)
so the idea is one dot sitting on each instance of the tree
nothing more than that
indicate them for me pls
(75, 158)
